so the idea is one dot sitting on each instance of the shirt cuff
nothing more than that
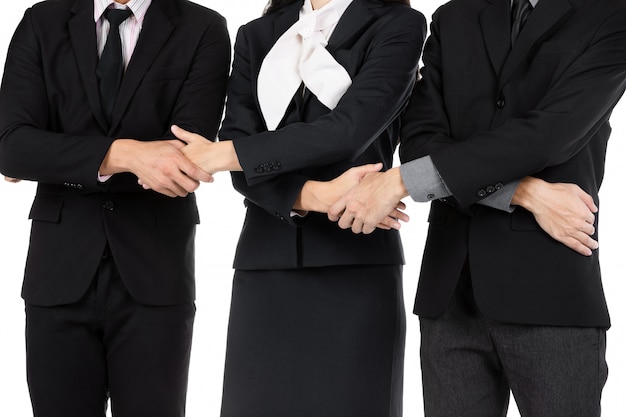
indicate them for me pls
(422, 180)
(103, 178)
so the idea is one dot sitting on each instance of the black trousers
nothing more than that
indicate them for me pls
(471, 364)
(105, 345)
(316, 342)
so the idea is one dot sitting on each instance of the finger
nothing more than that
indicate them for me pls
(194, 171)
(357, 226)
(12, 180)
(336, 210)
(162, 190)
(184, 135)
(578, 247)
(391, 223)
(198, 174)
(179, 190)
(401, 206)
(383, 226)
(367, 228)
(183, 185)
(346, 221)
(588, 200)
(587, 241)
(363, 170)
(398, 215)
(587, 228)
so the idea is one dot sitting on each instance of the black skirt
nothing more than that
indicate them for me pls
(316, 342)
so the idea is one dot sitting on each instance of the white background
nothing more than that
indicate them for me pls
(221, 211)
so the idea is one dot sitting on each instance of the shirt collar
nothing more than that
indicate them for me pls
(138, 7)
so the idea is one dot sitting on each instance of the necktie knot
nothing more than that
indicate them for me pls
(116, 16)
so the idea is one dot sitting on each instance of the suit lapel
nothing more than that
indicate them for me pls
(545, 17)
(82, 30)
(155, 32)
(356, 16)
(496, 27)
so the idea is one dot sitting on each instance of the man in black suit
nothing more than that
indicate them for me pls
(109, 280)
(508, 138)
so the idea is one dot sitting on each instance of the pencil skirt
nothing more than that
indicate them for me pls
(316, 342)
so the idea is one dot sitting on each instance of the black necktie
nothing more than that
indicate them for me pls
(111, 66)
(519, 13)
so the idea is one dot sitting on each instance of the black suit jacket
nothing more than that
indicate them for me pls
(489, 114)
(53, 131)
(379, 46)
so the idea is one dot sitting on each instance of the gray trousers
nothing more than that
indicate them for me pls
(470, 364)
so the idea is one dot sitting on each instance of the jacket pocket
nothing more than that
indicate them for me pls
(46, 208)
(523, 221)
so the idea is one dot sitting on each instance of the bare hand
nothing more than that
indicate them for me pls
(320, 195)
(212, 157)
(159, 165)
(12, 180)
(374, 201)
(564, 211)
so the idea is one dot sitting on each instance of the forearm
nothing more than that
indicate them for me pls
(35, 154)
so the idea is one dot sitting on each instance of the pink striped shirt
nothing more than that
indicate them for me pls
(129, 29)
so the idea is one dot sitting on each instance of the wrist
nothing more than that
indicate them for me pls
(118, 157)
(396, 183)
(526, 193)
(227, 157)
(308, 199)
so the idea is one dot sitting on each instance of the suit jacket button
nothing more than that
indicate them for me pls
(109, 205)
(499, 186)
(501, 103)
(491, 190)
(258, 169)
(430, 196)
(276, 166)
(481, 193)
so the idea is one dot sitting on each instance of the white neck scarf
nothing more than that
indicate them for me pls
(298, 56)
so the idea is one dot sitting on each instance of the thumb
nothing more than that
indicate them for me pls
(183, 135)
(363, 170)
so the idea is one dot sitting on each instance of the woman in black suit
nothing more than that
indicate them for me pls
(317, 317)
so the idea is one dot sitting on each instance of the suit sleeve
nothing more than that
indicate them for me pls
(27, 149)
(376, 97)
(572, 111)
(277, 195)
(425, 127)
(200, 102)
